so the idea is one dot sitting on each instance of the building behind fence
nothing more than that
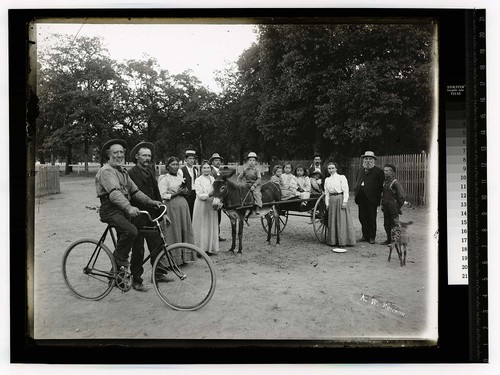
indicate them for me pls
(411, 171)
(47, 180)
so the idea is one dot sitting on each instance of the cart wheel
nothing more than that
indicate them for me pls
(320, 219)
(283, 217)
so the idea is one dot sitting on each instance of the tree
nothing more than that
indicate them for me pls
(77, 79)
(338, 89)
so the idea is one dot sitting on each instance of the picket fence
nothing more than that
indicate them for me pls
(411, 171)
(47, 180)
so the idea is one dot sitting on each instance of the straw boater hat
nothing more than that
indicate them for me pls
(252, 155)
(215, 156)
(140, 145)
(110, 143)
(369, 154)
(189, 153)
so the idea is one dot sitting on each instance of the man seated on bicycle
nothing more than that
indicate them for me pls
(116, 189)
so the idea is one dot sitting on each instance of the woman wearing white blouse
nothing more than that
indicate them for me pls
(205, 218)
(340, 226)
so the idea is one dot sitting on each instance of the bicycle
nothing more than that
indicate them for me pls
(90, 270)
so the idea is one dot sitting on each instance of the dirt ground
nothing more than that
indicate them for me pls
(299, 290)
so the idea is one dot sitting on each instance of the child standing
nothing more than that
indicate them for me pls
(393, 198)
(252, 178)
(290, 185)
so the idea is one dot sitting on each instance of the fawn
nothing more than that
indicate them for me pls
(399, 240)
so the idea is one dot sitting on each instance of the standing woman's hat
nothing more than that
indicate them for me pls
(369, 154)
(140, 145)
(215, 156)
(252, 155)
(189, 153)
(108, 144)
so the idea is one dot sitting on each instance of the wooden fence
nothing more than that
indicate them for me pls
(47, 180)
(411, 171)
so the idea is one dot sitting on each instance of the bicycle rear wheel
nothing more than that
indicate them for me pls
(186, 287)
(88, 269)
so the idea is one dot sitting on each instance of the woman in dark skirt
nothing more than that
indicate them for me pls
(173, 192)
(340, 226)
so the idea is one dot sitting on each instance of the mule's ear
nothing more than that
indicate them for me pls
(227, 173)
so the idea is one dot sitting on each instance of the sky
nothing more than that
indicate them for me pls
(201, 48)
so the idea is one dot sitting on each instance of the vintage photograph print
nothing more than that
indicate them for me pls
(235, 179)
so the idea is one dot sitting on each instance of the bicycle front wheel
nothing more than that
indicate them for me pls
(184, 287)
(88, 269)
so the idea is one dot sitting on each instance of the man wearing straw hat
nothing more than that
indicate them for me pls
(252, 178)
(115, 190)
(367, 193)
(215, 162)
(189, 173)
(144, 176)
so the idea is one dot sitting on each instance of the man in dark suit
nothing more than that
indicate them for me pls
(316, 166)
(215, 162)
(367, 194)
(144, 176)
(190, 173)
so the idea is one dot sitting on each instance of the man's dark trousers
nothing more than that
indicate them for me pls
(154, 241)
(367, 216)
(126, 229)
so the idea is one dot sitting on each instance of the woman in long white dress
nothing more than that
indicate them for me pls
(205, 218)
(340, 226)
(173, 192)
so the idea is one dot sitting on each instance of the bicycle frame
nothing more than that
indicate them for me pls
(146, 229)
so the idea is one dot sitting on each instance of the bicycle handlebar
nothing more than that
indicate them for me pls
(155, 219)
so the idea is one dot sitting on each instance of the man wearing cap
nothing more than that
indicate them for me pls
(143, 175)
(367, 194)
(189, 173)
(116, 189)
(215, 162)
(393, 198)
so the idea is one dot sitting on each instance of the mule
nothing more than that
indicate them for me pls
(236, 200)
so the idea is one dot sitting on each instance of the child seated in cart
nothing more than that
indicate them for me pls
(304, 184)
(315, 180)
(290, 184)
(251, 177)
(276, 177)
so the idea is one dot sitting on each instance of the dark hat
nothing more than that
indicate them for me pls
(316, 154)
(369, 154)
(105, 147)
(140, 145)
(215, 156)
(189, 153)
(391, 166)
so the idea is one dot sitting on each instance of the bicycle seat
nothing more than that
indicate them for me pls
(111, 225)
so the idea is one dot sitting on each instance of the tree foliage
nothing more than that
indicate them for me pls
(337, 89)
